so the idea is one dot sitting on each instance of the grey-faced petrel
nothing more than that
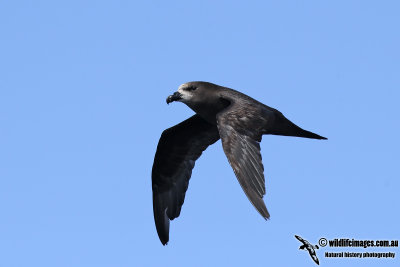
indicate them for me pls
(221, 112)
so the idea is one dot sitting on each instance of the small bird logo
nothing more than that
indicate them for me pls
(311, 249)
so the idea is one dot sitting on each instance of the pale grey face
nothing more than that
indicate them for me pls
(187, 91)
(184, 94)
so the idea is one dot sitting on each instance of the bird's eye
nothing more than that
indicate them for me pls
(190, 88)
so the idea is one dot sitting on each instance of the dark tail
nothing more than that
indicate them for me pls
(282, 126)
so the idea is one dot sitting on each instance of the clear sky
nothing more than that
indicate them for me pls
(82, 105)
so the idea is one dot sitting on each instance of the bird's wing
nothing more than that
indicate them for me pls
(178, 149)
(308, 244)
(299, 238)
(314, 256)
(240, 133)
(305, 242)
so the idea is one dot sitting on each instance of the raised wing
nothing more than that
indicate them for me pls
(305, 242)
(178, 149)
(300, 239)
(240, 134)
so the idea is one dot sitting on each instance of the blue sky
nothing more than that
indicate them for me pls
(82, 106)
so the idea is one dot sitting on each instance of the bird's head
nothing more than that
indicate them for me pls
(201, 97)
(187, 93)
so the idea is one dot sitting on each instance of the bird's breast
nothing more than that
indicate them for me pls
(209, 111)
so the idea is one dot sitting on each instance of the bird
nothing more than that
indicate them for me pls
(311, 249)
(221, 113)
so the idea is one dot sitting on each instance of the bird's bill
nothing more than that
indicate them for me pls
(174, 97)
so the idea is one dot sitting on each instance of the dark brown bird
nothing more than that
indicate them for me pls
(239, 120)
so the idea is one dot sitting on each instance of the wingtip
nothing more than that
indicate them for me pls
(163, 236)
(318, 137)
(164, 239)
(161, 218)
(265, 214)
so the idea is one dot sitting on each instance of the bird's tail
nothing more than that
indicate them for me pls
(283, 126)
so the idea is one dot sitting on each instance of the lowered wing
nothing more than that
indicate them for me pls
(178, 149)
